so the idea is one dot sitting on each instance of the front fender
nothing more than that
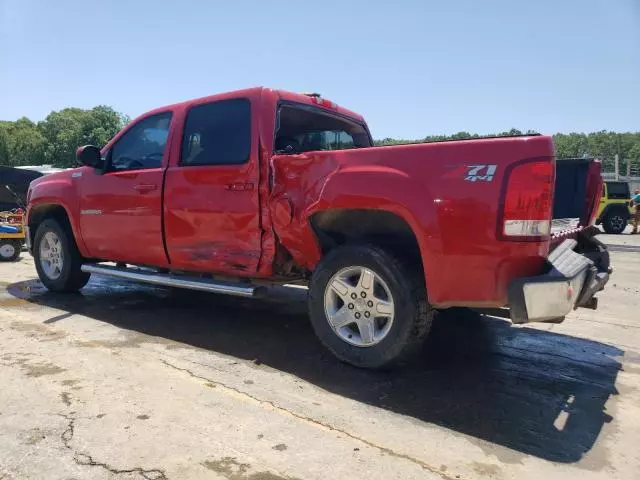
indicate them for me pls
(57, 190)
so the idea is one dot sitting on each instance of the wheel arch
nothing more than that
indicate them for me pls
(387, 229)
(620, 208)
(316, 195)
(40, 212)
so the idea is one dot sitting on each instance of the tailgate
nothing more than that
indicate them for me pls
(577, 192)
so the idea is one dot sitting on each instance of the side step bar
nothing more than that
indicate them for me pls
(171, 280)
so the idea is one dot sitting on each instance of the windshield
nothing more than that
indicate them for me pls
(306, 129)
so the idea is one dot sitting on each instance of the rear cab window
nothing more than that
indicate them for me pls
(302, 128)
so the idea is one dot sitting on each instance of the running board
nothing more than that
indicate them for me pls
(171, 280)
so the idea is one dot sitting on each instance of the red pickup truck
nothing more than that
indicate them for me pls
(233, 192)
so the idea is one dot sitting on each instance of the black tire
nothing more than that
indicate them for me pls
(615, 222)
(412, 317)
(71, 278)
(10, 249)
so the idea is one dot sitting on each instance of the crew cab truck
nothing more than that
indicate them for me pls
(237, 191)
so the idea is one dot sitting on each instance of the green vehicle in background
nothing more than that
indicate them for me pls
(614, 211)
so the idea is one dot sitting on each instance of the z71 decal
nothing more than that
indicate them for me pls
(480, 173)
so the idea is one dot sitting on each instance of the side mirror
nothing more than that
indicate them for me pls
(89, 155)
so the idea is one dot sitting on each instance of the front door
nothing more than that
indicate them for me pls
(212, 206)
(121, 209)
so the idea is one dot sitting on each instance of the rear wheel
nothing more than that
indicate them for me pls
(368, 307)
(58, 261)
(9, 249)
(614, 222)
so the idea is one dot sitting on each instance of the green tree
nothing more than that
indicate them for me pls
(55, 139)
(4, 143)
(511, 133)
(633, 157)
(21, 143)
(70, 128)
(571, 145)
(460, 136)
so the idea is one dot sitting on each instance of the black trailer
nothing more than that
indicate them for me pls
(18, 180)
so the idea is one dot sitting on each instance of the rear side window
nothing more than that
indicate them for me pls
(306, 129)
(217, 133)
(618, 190)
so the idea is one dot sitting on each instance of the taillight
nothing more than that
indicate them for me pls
(528, 197)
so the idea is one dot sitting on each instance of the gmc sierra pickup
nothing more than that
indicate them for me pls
(237, 191)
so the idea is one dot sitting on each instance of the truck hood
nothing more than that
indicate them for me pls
(54, 176)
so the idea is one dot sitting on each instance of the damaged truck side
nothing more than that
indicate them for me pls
(234, 192)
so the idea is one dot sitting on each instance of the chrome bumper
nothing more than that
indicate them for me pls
(571, 282)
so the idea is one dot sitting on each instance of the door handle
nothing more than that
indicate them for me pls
(240, 187)
(145, 187)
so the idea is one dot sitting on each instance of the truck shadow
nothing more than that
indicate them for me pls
(535, 392)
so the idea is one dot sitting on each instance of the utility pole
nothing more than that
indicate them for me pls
(616, 160)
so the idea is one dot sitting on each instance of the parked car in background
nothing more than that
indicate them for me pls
(236, 191)
(614, 211)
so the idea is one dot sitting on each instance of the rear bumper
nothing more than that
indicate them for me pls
(571, 282)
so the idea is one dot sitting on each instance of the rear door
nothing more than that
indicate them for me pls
(121, 209)
(212, 205)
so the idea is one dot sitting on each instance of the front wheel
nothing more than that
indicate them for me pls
(58, 261)
(9, 249)
(368, 307)
(614, 222)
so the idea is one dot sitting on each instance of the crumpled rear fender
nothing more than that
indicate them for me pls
(304, 185)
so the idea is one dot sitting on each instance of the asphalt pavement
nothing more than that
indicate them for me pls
(128, 381)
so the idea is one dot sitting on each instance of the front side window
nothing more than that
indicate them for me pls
(217, 133)
(142, 146)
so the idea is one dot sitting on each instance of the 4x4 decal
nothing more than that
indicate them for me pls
(480, 173)
(472, 173)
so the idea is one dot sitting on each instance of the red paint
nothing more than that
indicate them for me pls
(212, 212)
(233, 219)
(454, 220)
(129, 216)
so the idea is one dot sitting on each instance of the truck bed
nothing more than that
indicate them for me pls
(451, 192)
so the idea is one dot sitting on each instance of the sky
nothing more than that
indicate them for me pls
(412, 67)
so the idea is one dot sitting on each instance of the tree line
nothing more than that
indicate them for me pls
(53, 141)
(603, 145)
